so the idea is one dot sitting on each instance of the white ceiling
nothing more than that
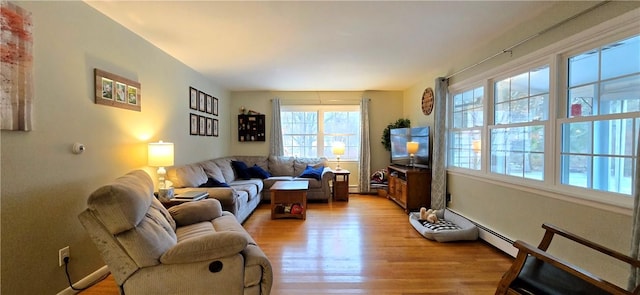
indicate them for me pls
(318, 45)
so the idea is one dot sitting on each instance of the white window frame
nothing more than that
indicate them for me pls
(609, 31)
(320, 110)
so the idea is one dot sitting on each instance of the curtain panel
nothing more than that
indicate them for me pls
(439, 169)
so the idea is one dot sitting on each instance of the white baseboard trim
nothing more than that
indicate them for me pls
(86, 281)
(493, 238)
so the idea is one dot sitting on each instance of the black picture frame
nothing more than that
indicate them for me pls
(193, 98)
(215, 128)
(215, 106)
(202, 125)
(202, 101)
(193, 124)
(209, 127)
(209, 104)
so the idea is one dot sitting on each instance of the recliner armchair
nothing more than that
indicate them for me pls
(193, 248)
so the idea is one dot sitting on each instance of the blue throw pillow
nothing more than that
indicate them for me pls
(257, 172)
(242, 171)
(311, 172)
(212, 182)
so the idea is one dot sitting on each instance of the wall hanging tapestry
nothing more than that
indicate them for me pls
(16, 67)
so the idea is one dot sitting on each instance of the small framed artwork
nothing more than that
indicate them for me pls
(202, 101)
(215, 106)
(193, 98)
(215, 127)
(209, 127)
(133, 95)
(202, 125)
(193, 124)
(121, 92)
(116, 91)
(209, 102)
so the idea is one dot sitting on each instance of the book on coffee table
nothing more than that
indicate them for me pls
(192, 195)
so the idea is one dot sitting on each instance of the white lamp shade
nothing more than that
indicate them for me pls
(338, 148)
(160, 154)
(412, 147)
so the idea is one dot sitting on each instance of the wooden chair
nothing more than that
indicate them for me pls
(535, 271)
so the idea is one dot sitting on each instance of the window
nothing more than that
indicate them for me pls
(521, 106)
(465, 134)
(599, 137)
(564, 120)
(303, 127)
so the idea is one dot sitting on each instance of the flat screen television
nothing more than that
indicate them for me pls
(399, 139)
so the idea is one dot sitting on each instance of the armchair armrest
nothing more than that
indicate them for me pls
(526, 250)
(209, 247)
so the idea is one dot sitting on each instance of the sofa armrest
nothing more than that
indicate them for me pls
(327, 176)
(226, 195)
(208, 247)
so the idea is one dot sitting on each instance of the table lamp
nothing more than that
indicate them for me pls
(161, 155)
(338, 149)
(412, 149)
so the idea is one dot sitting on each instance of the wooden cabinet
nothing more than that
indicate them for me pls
(409, 187)
(251, 128)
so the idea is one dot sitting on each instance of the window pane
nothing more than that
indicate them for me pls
(581, 100)
(520, 86)
(518, 151)
(539, 81)
(519, 111)
(609, 174)
(576, 170)
(621, 58)
(620, 95)
(615, 137)
(538, 108)
(577, 138)
(583, 68)
(502, 91)
(502, 113)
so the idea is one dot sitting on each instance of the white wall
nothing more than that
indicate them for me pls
(44, 185)
(516, 212)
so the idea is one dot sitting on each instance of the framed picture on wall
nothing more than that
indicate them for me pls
(202, 101)
(116, 91)
(202, 125)
(193, 98)
(193, 124)
(215, 127)
(209, 127)
(209, 104)
(215, 106)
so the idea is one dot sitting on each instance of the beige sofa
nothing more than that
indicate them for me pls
(192, 248)
(243, 195)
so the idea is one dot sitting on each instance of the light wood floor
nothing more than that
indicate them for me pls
(364, 246)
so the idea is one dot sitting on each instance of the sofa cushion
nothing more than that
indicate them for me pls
(197, 211)
(212, 170)
(225, 167)
(246, 186)
(212, 182)
(191, 175)
(256, 171)
(300, 164)
(241, 169)
(281, 166)
(313, 183)
(311, 172)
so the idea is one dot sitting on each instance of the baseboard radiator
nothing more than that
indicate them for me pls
(493, 238)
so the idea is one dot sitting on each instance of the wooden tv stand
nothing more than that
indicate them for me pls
(409, 187)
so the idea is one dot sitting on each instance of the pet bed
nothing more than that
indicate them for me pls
(450, 227)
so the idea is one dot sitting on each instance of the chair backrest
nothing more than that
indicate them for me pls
(128, 224)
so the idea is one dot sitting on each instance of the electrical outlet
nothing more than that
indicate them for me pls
(62, 254)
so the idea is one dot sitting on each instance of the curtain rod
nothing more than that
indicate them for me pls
(509, 49)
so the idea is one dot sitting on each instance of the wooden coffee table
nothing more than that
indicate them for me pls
(284, 194)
